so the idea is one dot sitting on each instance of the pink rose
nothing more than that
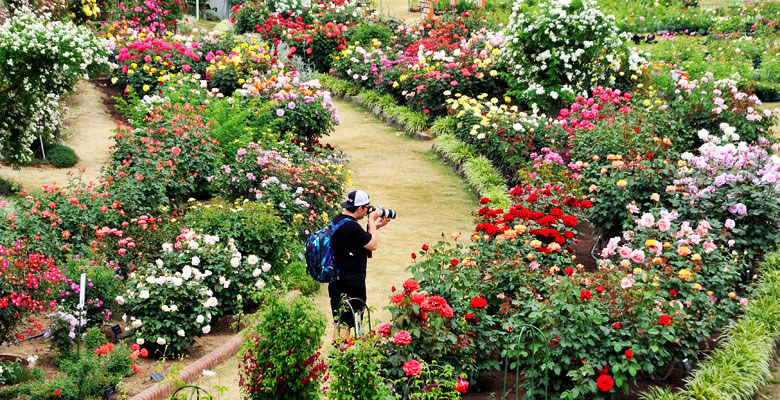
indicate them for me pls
(402, 337)
(647, 220)
(624, 252)
(664, 225)
(627, 283)
(611, 247)
(384, 330)
(638, 256)
(412, 367)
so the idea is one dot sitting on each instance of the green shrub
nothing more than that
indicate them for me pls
(355, 369)
(61, 156)
(297, 278)
(8, 188)
(253, 226)
(281, 359)
(367, 32)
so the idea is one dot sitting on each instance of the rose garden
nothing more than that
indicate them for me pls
(588, 196)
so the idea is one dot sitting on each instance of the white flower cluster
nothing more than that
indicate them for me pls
(564, 46)
(42, 62)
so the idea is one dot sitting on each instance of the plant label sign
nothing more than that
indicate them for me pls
(110, 391)
(426, 9)
(479, 4)
(678, 74)
(453, 3)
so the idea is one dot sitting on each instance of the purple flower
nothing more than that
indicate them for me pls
(280, 112)
(729, 223)
(290, 105)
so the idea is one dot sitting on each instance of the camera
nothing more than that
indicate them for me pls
(383, 212)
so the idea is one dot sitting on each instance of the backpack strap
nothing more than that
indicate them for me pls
(340, 223)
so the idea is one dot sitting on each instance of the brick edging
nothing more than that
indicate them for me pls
(192, 372)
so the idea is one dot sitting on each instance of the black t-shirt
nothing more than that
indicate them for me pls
(349, 254)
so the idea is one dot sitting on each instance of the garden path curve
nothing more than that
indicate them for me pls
(400, 173)
(90, 128)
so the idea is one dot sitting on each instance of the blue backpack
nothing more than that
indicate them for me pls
(319, 254)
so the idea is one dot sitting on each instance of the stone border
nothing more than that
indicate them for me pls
(377, 111)
(192, 372)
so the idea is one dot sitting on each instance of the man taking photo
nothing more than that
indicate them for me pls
(352, 246)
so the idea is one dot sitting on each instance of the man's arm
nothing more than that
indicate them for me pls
(372, 244)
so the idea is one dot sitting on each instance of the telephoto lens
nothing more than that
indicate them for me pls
(386, 212)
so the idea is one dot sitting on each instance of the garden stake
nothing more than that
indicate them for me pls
(354, 315)
(195, 390)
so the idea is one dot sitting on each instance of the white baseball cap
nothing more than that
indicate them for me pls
(356, 198)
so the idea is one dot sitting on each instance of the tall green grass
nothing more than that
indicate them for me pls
(742, 363)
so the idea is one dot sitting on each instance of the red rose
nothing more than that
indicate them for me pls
(604, 383)
(672, 292)
(384, 330)
(411, 285)
(478, 302)
(454, 262)
(414, 256)
(469, 316)
(402, 337)
(664, 319)
(585, 295)
(568, 271)
(604, 370)
(136, 369)
(396, 298)
(412, 367)
(629, 354)
(57, 392)
(461, 386)
(425, 247)
(418, 298)
(600, 288)
(484, 200)
(446, 311)
(617, 325)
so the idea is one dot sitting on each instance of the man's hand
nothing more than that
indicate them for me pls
(382, 222)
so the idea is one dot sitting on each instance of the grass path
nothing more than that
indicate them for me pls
(89, 130)
(399, 173)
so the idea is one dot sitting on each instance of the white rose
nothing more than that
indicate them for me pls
(256, 272)
(166, 308)
(150, 280)
(260, 283)
(144, 294)
(199, 319)
(235, 262)
(137, 323)
(160, 341)
(124, 317)
(167, 247)
(178, 281)
(120, 300)
(193, 245)
(160, 280)
(186, 273)
(174, 308)
(211, 302)
(159, 262)
(266, 267)
(180, 332)
(140, 341)
(252, 259)
(206, 329)
(195, 260)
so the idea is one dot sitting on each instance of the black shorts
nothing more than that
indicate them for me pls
(355, 296)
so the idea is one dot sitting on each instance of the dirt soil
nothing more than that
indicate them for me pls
(89, 127)
(134, 384)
